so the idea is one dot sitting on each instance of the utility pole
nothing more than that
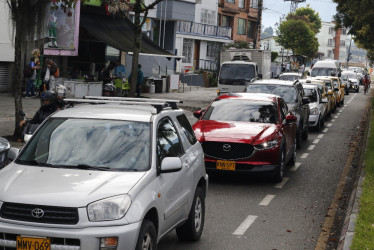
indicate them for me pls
(259, 18)
(294, 4)
(349, 52)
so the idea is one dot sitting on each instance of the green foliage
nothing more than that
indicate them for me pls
(268, 32)
(297, 36)
(312, 17)
(274, 56)
(357, 16)
(364, 231)
(213, 82)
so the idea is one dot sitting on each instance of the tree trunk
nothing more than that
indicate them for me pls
(135, 55)
(17, 89)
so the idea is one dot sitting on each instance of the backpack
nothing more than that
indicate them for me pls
(28, 71)
(57, 73)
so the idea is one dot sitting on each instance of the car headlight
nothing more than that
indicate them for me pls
(314, 111)
(113, 208)
(267, 145)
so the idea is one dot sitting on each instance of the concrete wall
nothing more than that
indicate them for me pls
(177, 10)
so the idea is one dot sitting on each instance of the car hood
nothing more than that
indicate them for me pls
(247, 132)
(62, 187)
(313, 105)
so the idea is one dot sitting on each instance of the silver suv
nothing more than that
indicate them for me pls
(119, 174)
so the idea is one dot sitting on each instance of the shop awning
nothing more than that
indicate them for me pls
(118, 33)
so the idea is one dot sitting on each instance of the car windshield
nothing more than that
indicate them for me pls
(345, 77)
(90, 143)
(312, 94)
(289, 77)
(322, 71)
(237, 72)
(245, 111)
(288, 93)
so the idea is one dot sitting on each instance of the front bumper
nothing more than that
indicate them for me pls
(313, 120)
(71, 238)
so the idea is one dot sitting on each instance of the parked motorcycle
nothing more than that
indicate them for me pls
(4, 148)
(29, 128)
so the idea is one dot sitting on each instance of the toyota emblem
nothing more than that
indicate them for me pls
(226, 147)
(37, 213)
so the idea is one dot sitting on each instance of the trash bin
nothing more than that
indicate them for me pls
(152, 88)
(158, 85)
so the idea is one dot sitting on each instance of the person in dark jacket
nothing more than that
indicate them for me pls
(139, 80)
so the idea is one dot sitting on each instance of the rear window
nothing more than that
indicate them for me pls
(288, 93)
(322, 71)
(312, 94)
(242, 111)
(237, 72)
(289, 77)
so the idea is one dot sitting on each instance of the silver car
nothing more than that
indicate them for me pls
(351, 80)
(317, 105)
(105, 176)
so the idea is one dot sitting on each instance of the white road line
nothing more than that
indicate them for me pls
(345, 106)
(320, 136)
(325, 130)
(316, 141)
(328, 125)
(311, 147)
(295, 167)
(281, 184)
(333, 120)
(304, 155)
(245, 225)
(337, 116)
(266, 201)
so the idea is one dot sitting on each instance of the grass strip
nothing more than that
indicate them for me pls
(364, 230)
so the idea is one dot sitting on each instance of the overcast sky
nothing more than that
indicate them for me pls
(274, 9)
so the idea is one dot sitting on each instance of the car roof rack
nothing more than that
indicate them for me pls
(158, 104)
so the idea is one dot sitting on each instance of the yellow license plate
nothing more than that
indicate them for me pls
(226, 165)
(30, 243)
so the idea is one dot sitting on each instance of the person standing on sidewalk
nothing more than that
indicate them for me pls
(30, 83)
(139, 80)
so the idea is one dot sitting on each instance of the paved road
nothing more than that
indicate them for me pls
(247, 212)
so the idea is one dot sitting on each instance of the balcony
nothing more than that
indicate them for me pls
(206, 30)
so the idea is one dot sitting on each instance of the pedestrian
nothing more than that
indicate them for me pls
(107, 73)
(30, 82)
(120, 73)
(139, 80)
(288, 67)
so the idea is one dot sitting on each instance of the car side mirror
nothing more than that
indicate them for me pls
(306, 100)
(171, 164)
(198, 113)
(324, 100)
(13, 153)
(291, 118)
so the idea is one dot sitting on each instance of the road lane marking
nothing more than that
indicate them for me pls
(325, 130)
(328, 125)
(266, 201)
(311, 147)
(345, 106)
(245, 225)
(304, 156)
(316, 141)
(320, 136)
(295, 167)
(281, 184)
(337, 116)
(333, 120)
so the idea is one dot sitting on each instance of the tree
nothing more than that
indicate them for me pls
(274, 55)
(357, 16)
(297, 36)
(27, 20)
(311, 17)
(138, 8)
(268, 32)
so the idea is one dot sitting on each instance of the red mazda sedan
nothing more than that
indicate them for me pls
(247, 132)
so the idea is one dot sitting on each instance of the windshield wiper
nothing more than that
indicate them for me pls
(30, 162)
(89, 167)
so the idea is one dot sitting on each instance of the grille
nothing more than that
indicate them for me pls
(237, 150)
(8, 242)
(52, 215)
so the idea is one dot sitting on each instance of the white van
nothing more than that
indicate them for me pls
(326, 68)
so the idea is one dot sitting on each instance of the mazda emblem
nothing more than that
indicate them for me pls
(226, 147)
(37, 213)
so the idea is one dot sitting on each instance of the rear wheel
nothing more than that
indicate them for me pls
(193, 228)
(293, 158)
(319, 124)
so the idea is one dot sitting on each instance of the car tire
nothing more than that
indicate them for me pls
(279, 170)
(305, 133)
(319, 124)
(357, 90)
(147, 238)
(298, 138)
(342, 102)
(293, 157)
(347, 92)
(193, 228)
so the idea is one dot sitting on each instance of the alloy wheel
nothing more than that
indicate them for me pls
(147, 242)
(198, 214)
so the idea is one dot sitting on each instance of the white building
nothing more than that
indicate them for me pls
(6, 48)
(270, 44)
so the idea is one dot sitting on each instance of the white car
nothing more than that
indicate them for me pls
(119, 175)
(317, 105)
(351, 81)
(290, 76)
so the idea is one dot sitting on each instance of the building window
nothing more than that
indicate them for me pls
(342, 43)
(187, 50)
(331, 30)
(208, 16)
(230, 1)
(226, 21)
(212, 50)
(329, 53)
(254, 4)
(241, 26)
(241, 4)
(344, 31)
(251, 29)
(330, 42)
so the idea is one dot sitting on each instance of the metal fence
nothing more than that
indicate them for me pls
(203, 29)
